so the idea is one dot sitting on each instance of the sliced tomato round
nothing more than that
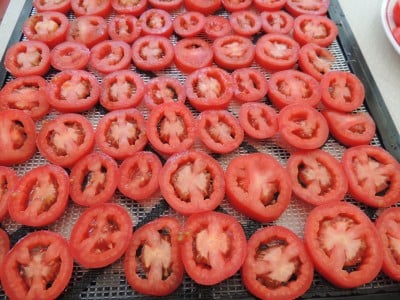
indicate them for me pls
(219, 131)
(269, 5)
(110, 56)
(192, 182)
(207, 7)
(315, 60)
(101, 235)
(4, 244)
(62, 6)
(93, 179)
(396, 13)
(73, 91)
(69, 56)
(192, 54)
(154, 248)
(156, 22)
(276, 22)
(139, 175)
(39, 266)
(245, 22)
(250, 85)
(65, 139)
(258, 186)
(167, 5)
(373, 175)
(396, 34)
(40, 197)
(233, 52)
(27, 58)
(8, 179)
(100, 8)
(258, 120)
(88, 30)
(163, 89)
(305, 7)
(343, 244)
(213, 247)
(217, 26)
(121, 90)
(17, 137)
(277, 265)
(124, 28)
(189, 24)
(121, 133)
(129, 7)
(236, 5)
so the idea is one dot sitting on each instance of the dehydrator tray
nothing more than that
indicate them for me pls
(110, 282)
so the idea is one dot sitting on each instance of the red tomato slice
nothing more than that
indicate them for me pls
(69, 56)
(350, 129)
(121, 133)
(87, 30)
(65, 139)
(129, 7)
(277, 265)
(269, 5)
(306, 7)
(192, 182)
(100, 8)
(236, 5)
(258, 186)
(40, 197)
(101, 235)
(209, 88)
(139, 175)
(156, 22)
(121, 90)
(396, 13)
(250, 85)
(343, 244)
(213, 247)
(27, 58)
(233, 52)
(154, 249)
(93, 179)
(189, 24)
(276, 22)
(62, 6)
(245, 22)
(315, 60)
(396, 34)
(163, 89)
(167, 5)
(110, 56)
(17, 137)
(8, 179)
(342, 91)
(258, 120)
(219, 131)
(171, 128)
(39, 266)
(73, 91)
(28, 94)
(373, 175)
(124, 28)
(192, 54)
(206, 7)
(217, 26)
(4, 244)
(317, 177)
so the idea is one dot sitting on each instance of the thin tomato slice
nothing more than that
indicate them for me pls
(269, 5)
(305, 7)
(245, 22)
(69, 56)
(217, 26)
(88, 30)
(189, 24)
(233, 52)
(167, 5)
(250, 85)
(156, 22)
(205, 7)
(129, 7)
(258, 120)
(276, 22)
(100, 8)
(124, 28)
(192, 54)
(8, 179)
(315, 60)
(163, 89)
(236, 5)
(62, 6)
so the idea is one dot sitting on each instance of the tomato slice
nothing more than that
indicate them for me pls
(129, 7)
(69, 56)
(306, 7)
(233, 52)
(8, 179)
(258, 186)
(156, 22)
(121, 90)
(343, 244)
(236, 5)
(396, 13)
(121, 133)
(192, 182)
(39, 266)
(62, 6)
(315, 60)
(101, 235)
(93, 179)
(276, 22)
(396, 34)
(17, 137)
(192, 54)
(171, 128)
(163, 89)
(189, 24)
(277, 265)
(213, 247)
(245, 22)
(40, 197)
(87, 30)
(269, 5)
(65, 139)
(217, 26)
(110, 56)
(167, 5)
(250, 85)
(258, 120)
(139, 175)
(4, 244)
(100, 8)
(124, 28)
(154, 250)
(219, 131)
(373, 175)
(206, 7)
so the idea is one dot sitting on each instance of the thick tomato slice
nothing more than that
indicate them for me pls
(343, 244)
(129, 7)
(236, 5)
(213, 247)
(192, 182)
(277, 265)
(69, 56)
(28, 93)
(167, 5)
(342, 91)
(139, 175)
(156, 22)
(62, 6)
(73, 91)
(152, 53)
(124, 28)
(315, 60)
(163, 89)
(217, 26)
(192, 54)
(292, 86)
(17, 137)
(373, 175)
(27, 58)
(87, 30)
(93, 179)
(317, 177)
(245, 22)
(39, 266)
(233, 52)
(276, 22)
(350, 129)
(4, 244)
(154, 250)
(121, 90)
(101, 235)
(258, 120)
(189, 24)
(258, 186)
(100, 8)
(65, 139)
(121, 133)
(206, 7)
(275, 52)
(219, 131)
(209, 88)
(307, 7)
(40, 196)
(110, 56)
(269, 5)
(8, 179)
(302, 126)
(250, 85)
(171, 128)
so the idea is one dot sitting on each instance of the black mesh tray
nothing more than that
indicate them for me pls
(110, 283)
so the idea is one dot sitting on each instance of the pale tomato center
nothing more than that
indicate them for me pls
(30, 58)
